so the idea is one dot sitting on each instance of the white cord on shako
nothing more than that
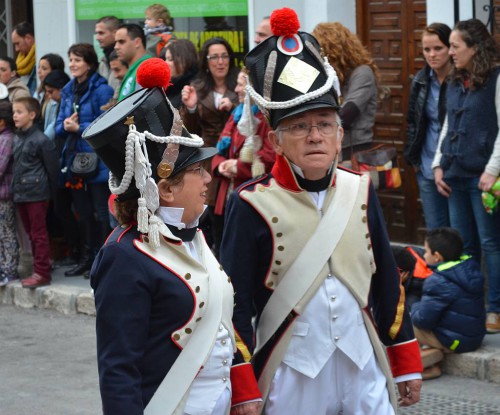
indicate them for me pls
(332, 80)
(137, 166)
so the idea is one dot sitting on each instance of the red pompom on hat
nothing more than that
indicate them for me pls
(284, 22)
(153, 72)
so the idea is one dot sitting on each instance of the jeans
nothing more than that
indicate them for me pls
(435, 205)
(468, 216)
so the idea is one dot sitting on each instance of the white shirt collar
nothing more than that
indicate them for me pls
(173, 216)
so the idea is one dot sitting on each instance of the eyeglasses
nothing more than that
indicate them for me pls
(200, 171)
(303, 129)
(216, 58)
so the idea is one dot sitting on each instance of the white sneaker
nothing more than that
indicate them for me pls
(493, 323)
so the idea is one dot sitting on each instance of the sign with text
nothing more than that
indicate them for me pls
(134, 9)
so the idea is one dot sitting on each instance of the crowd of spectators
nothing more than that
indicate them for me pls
(452, 138)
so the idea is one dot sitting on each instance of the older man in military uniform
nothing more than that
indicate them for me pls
(308, 252)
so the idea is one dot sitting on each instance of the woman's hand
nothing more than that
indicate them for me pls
(486, 182)
(225, 104)
(228, 168)
(251, 408)
(441, 185)
(71, 124)
(189, 97)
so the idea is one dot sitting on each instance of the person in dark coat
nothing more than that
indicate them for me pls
(450, 316)
(33, 184)
(426, 114)
(81, 102)
(165, 340)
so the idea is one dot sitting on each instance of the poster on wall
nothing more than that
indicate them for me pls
(196, 20)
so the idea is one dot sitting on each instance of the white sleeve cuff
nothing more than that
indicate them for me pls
(409, 376)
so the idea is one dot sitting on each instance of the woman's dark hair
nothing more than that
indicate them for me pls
(56, 79)
(475, 34)
(87, 52)
(126, 211)
(441, 30)
(10, 61)
(55, 61)
(205, 82)
(184, 55)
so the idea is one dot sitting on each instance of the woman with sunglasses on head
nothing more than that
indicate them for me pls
(207, 105)
(426, 113)
(467, 160)
(165, 340)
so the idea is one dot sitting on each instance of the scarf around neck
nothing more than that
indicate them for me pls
(26, 63)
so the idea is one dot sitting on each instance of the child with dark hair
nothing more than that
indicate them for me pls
(413, 271)
(450, 316)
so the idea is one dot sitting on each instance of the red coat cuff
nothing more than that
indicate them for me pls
(244, 384)
(405, 358)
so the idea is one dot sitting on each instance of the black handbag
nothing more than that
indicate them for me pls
(85, 165)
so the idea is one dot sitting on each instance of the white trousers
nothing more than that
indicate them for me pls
(222, 406)
(340, 388)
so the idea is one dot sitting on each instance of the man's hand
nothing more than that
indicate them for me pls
(409, 392)
(250, 408)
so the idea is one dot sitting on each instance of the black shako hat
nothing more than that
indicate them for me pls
(142, 139)
(149, 110)
(287, 73)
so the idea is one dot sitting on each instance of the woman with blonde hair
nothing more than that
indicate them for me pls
(359, 78)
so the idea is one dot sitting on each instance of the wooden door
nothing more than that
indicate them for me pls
(391, 30)
(495, 27)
